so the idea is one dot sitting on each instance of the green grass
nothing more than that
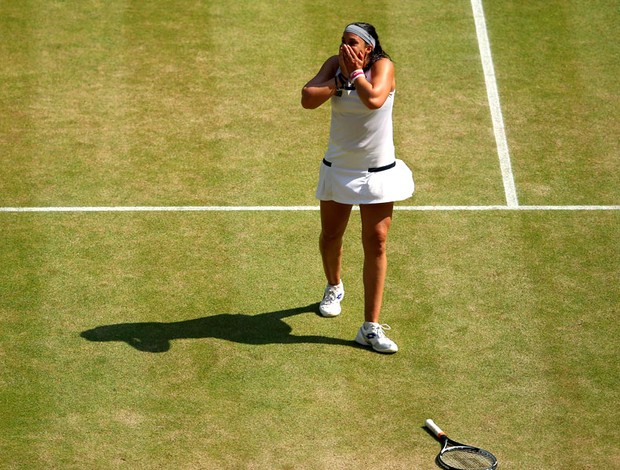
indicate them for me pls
(187, 103)
(502, 315)
(559, 61)
(191, 340)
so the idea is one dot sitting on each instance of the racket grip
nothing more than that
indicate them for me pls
(430, 424)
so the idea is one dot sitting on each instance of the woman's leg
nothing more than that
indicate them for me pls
(376, 221)
(334, 220)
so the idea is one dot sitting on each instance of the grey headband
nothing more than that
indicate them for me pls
(362, 33)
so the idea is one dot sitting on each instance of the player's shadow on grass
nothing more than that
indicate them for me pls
(261, 329)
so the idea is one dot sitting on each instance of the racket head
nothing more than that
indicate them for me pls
(457, 456)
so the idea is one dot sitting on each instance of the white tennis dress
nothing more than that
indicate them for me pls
(360, 165)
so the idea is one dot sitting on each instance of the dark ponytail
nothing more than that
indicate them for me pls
(377, 52)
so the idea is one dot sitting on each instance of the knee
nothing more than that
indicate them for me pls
(375, 242)
(330, 239)
(330, 236)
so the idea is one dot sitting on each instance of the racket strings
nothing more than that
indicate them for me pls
(467, 459)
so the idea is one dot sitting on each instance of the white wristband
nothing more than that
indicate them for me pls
(356, 74)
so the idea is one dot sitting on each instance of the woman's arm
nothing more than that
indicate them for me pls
(372, 93)
(322, 87)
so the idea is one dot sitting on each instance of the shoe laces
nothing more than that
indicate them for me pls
(330, 294)
(380, 329)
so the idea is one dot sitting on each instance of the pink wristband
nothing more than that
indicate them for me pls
(355, 75)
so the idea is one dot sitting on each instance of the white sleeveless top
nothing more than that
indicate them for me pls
(360, 138)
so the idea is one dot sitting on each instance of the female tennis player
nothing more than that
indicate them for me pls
(359, 168)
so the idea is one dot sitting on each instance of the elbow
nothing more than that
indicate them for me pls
(374, 103)
(306, 99)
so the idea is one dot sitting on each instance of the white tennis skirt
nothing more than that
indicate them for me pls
(348, 186)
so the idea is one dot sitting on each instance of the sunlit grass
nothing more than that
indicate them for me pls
(190, 340)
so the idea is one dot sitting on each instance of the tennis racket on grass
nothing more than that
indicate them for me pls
(457, 456)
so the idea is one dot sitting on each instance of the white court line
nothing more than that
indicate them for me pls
(295, 208)
(508, 208)
(160, 209)
(496, 110)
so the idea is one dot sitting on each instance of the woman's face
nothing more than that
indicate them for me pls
(356, 43)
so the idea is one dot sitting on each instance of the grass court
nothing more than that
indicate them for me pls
(189, 339)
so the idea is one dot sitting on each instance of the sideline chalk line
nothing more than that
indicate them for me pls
(494, 104)
(295, 208)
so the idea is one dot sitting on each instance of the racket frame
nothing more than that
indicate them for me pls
(449, 444)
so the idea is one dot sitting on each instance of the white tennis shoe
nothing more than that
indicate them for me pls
(330, 305)
(372, 334)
